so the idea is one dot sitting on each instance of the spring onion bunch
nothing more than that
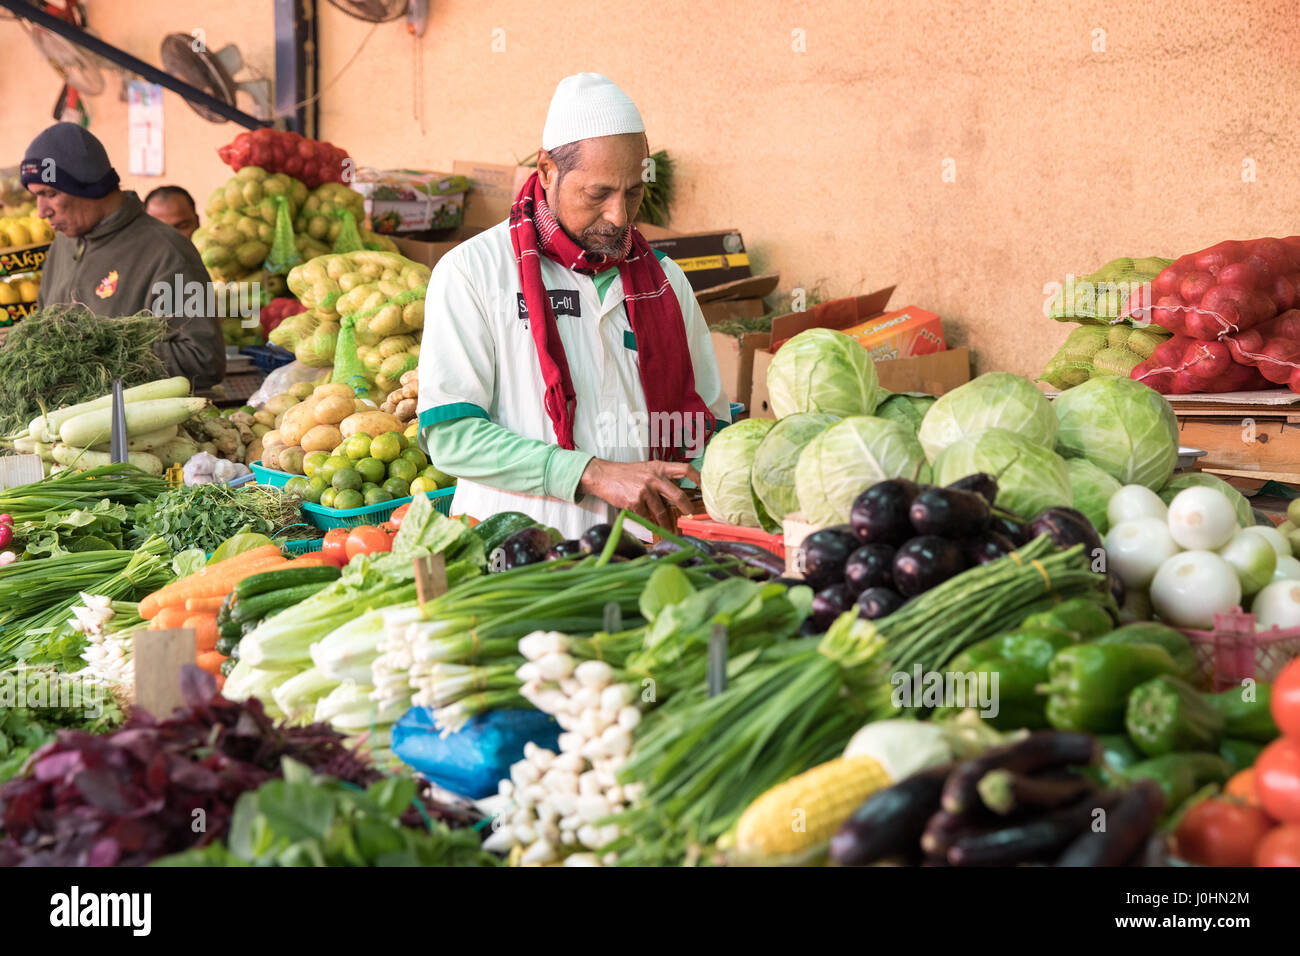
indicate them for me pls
(71, 490)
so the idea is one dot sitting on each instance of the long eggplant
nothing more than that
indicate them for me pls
(1034, 839)
(890, 822)
(1041, 750)
(752, 556)
(945, 829)
(1128, 826)
(1004, 792)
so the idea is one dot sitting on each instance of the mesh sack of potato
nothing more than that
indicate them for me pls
(284, 254)
(321, 282)
(1097, 350)
(1099, 298)
(252, 192)
(349, 239)
(319, 216)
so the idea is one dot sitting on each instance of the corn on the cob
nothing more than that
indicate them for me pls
(799, 816)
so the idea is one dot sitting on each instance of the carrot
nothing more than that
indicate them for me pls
(204, 605)
(205, 629)
(211, 661)
(308, 561)
(171, 616)
(216, 580)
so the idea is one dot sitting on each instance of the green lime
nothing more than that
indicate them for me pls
(406, 442)
(346, 479)
(333, 464)
(397, 487)
(372, 469)
(295, 486)
(316, 487)
(311, 464)
(387, 447)
(327, 498)
(422, 486)
(404, 469)
(347, 500)
(358, 446)
(377, 496)
(441, 478)
(416, 457)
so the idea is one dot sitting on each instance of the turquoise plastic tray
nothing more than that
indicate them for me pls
(302, 545)
(327, 518)
(268, 476)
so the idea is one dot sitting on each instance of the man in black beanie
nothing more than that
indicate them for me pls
(113, 258)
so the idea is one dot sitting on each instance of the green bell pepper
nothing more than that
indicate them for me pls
(1181, 775)
(1240, 753)
(1080, 616)
(1019, 660)
(1118, 752)
(1088, 684)
(1168, 714)
(1148, 632)
(1247, 719)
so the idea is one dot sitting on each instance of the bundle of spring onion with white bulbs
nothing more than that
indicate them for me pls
(110, 627)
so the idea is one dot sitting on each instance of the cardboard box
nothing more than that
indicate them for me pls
(725, 310)
(430, 252)
(709, 259)
(735, 357)
(410, 200)
(900, 335)
(934, 374)
(17, 259)
(492, 190)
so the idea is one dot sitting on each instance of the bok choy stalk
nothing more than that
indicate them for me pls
(298, 696)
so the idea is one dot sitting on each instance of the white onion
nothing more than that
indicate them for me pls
(1252, 558)
(1190, 588)
(1201, 519)
(1278, 605)
(1288, 569)
(1136, 549)
(1135, 501)
(1274, 537)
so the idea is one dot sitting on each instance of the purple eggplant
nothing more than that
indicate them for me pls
(983, 548)
(596, 537)
(986, 486)
(752, 556)
(879, 514)
(870, 566)
(1009, 528)
(1066, 527)
(565, 549)
(925, 562)
(950, 512)
(828, 604)
(875, 603)
(823, 555)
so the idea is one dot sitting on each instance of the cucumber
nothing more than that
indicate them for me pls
(223, 612)
(227, 666)
(227, 644)
(283, 578)
(262, 606)
(230, 628)
(494, 530)
(141, 417)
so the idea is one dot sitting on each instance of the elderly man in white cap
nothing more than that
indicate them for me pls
(567, 370)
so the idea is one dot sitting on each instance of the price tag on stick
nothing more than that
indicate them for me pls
(717, 665)
(158, 657)
(613, 618)
(430, 577)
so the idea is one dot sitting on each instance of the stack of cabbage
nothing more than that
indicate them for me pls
(383, 291)
(1105, 343)
(838, 433)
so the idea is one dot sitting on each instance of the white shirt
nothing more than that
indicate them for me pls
(478, 358)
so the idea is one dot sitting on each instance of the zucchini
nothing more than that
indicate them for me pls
(494, 530)
(262, 606)
(229, 628)
(227, 644)
(227, 666)
(282, 578)
(223, 613)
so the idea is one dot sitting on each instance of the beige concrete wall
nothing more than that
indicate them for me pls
(1072, 131)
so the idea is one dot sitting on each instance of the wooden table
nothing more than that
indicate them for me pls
(1249, 438)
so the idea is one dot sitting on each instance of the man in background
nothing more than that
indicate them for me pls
(109, 256)
(174, 206)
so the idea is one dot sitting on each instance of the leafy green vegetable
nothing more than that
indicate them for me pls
(305, 820)
(237, 544)
(189, 562)
(846, 459)
(993, 400)
(1123, 427)
(1031, 477)
(821, 370)
(204, 516)
(98, 528)
(906, 408)
(1092, 489)
(24, 730)
(772, 474)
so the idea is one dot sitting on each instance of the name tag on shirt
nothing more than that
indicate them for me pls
(563, 302)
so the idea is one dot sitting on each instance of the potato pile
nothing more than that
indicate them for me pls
(401, 402)
(321, 422)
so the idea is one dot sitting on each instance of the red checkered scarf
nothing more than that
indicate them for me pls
(667, 376)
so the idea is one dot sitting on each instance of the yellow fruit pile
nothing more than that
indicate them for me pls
(19, 231)
(20, 288)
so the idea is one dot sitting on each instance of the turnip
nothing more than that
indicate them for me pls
(1253, 558)
(1201, 519)
(1136, 549)
(1135, 501)
(1190, 588)
(1278, 605)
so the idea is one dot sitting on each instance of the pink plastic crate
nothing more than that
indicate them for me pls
(1234, 650)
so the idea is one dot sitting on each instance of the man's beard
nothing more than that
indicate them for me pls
(601, 243)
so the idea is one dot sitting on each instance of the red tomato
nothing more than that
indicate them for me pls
(368, 539)
(399, 515)
(1242, 787)
(1221, 833)
(1281, 847)
(1286, 700)
(334, 549)
(1277, 779)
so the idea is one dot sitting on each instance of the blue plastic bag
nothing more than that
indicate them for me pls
(477, 757)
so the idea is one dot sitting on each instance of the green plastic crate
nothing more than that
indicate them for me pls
(327, 518)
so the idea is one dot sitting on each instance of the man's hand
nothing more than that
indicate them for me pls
(645, 487)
